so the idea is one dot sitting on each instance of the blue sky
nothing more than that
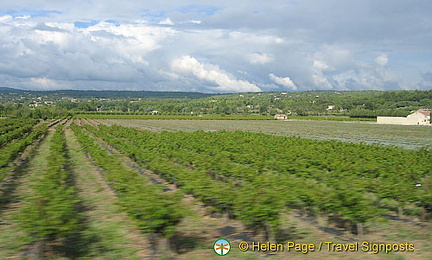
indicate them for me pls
(216, 46)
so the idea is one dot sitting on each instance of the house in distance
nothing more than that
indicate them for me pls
(280, 116)
(419, 117)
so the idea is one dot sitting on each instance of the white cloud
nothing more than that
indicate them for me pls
(320, 65)
(320, 81)
(213, 74)
(368, 76)
(5, 18)
(44, 82)
(259, 58)
(249, 37)
(167, 21)
(132, 44)
(284, 81)
(381, 60)
(196, 22)
(59, 51)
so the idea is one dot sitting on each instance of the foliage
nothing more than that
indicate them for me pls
(253, 176)
(153, 210)
(17, 129)
(357, 104)
(50, 210)
(11, 150)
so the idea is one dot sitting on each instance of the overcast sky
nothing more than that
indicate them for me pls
(216, 46)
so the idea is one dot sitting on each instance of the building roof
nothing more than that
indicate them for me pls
(424, 112)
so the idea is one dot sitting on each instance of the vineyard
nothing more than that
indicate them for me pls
(15, 136)
(269, 173)
(77, 188)
(403, 136)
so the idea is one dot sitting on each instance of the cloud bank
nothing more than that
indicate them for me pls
(212, 74)
(241, 46)
(286, 81)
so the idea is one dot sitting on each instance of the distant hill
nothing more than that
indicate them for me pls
(4, 89)
(359, 104)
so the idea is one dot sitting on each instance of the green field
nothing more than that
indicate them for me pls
(78, 189)
(411, 137)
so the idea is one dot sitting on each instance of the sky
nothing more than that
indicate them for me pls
(216, 46)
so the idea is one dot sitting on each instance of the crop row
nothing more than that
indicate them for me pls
(13, 124)
(153, 210)
(8, 122)
(50, 210)
(255, 204)
(15, 131)
(331, 177)
(10, 151)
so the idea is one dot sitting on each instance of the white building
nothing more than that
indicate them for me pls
(420, 117)
(280, 116)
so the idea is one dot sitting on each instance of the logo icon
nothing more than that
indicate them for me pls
(221, 247)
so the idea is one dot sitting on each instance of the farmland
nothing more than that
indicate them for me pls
(124, 192)
(200, 130)
(369, 132)
(163, 176)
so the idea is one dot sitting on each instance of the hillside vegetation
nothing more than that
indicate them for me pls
(365, 104)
